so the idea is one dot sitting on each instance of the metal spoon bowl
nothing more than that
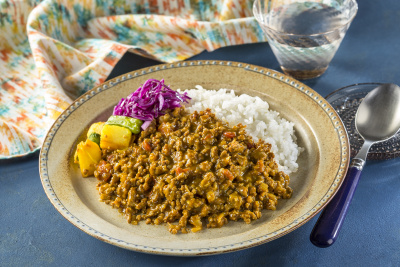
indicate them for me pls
(346, 101)
(377, 119)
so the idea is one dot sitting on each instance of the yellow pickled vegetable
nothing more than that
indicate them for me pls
(115, 137)
(89, 154)
(95, 131)
(95, 128)
(76, 159)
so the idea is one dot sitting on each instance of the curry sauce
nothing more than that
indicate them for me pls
(191, 171)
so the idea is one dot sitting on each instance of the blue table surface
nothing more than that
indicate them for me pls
(33, 233)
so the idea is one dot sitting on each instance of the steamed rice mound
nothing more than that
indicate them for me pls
(260, 121)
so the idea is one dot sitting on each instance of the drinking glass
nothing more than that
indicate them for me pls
(304, 35)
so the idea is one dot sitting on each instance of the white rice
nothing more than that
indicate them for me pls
(253, 112)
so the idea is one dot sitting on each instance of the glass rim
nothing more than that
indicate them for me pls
(313, 34)
(352, 85)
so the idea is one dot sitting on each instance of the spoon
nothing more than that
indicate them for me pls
(377, 119)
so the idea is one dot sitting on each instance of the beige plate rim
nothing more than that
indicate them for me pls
(287, 81)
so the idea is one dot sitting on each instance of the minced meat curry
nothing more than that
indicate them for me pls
(191, 171)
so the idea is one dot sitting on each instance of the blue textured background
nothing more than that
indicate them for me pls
(33, 233)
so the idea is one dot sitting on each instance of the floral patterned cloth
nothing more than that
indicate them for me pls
(53, 51)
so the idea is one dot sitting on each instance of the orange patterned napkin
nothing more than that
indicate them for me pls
(53, 51)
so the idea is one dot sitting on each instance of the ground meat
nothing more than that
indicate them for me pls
(191, 171)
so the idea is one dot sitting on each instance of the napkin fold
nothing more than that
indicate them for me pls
(51, 52)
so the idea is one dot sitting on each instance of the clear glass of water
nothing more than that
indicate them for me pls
(304, 35)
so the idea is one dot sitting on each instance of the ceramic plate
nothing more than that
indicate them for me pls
(319, 130)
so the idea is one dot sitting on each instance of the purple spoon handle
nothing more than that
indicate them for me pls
(326, 230)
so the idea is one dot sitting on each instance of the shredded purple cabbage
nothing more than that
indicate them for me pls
(150, 101)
